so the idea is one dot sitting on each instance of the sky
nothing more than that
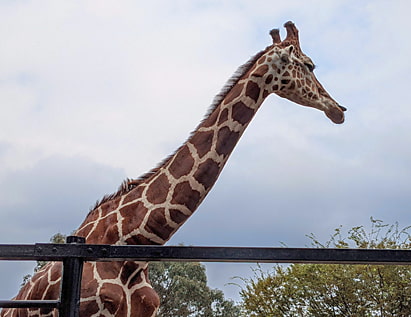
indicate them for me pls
(92, 92)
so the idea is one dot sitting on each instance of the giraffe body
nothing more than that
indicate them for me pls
(150, 209)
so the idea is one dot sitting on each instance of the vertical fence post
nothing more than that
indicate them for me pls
(71, 283)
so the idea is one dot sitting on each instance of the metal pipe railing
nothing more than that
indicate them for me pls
(75, 252)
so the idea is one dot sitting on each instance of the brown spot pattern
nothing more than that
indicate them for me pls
(207, 173)
(223, 116)
(111, 233)
(177, 216)
(202, 142)
(260, 71)
(157, 224)
(241, 113)
(144, 302)
(234, 93)
(111, 296)
(261, 60)
(226, 141)
(92, 216)
(133, 216)
(182, 163)
(106, 230)
(184, 195)
(90, 306)
(140, 240)
(158, 190)
(134, 194)
(110, 205)
(136, 279)
(252, 90)
(108, 270)
(211, 120)
(88, 289)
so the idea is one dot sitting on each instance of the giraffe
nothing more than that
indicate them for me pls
(150, 209)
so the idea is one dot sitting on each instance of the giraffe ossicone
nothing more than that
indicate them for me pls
(150, 209)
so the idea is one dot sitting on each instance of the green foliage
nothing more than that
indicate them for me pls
(183, 291)
(315, 290)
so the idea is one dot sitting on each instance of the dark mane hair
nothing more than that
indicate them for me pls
(130, 184)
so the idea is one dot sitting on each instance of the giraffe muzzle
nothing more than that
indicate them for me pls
(336, 113)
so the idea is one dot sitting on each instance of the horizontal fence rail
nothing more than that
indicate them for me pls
(74, 253)
(30, 303)
(98, 252)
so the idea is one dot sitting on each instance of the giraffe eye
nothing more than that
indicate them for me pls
(310, 66)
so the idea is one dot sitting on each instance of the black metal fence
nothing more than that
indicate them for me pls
(75, 252)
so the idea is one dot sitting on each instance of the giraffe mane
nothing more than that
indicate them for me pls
(128, 184)
(240, 72)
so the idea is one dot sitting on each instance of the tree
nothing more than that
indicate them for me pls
(319, 290)
(183, 291)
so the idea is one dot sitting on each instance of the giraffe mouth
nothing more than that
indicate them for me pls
(336, 114)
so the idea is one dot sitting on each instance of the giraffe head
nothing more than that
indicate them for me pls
(289, 73)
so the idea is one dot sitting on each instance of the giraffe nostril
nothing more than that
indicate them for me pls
(342, 108)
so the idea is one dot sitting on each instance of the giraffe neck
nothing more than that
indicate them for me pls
(198, 163)
(152, 211)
